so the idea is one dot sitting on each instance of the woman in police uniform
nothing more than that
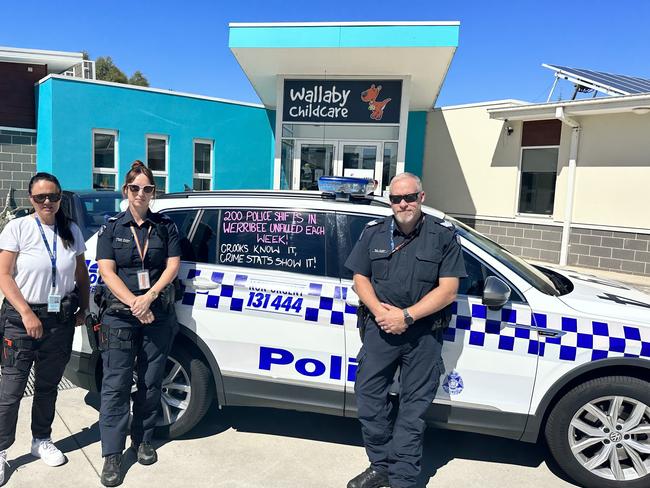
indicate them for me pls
(41, 258)
(138, 253)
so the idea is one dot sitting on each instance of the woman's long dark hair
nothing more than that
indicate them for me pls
(62, 220)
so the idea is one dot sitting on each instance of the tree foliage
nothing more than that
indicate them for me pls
(138, 79)
(106, 70)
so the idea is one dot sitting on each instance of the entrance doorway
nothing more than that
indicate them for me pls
(314, 159)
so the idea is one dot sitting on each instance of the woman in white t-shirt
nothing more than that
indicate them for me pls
(44, 279)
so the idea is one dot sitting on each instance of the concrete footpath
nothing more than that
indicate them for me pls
(253, 448)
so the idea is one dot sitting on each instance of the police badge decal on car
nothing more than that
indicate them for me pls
(453, 383)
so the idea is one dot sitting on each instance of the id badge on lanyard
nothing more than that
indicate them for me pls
(144, 280)
(53, 299)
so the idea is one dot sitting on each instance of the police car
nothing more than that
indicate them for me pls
(267, 316)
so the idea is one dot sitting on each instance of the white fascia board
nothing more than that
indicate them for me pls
(14, 51)
(57, 61)
(149, 89)
(509, 102)
(338, 24)
(592, 106)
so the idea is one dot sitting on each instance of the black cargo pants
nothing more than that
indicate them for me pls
(49, 355)
(393, 440)
(131, 343)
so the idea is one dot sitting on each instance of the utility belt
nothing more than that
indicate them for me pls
(101, 337)
(107, 302)
(441, 319)
(69, 306)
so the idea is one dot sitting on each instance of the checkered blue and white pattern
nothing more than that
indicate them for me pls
(323, 303)
(472, 324)
(584, 339)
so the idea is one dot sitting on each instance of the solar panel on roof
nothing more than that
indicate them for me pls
(608, 83)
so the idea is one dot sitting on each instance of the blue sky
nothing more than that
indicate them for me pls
(183, 46)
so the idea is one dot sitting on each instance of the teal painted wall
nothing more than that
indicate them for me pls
(415, 142)
(43, 102)
(69, 110)
(344, 36)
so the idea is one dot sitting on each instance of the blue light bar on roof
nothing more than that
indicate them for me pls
(339, 185)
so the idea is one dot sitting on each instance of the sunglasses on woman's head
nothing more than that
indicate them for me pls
(136, 188)
(409, 198)
(41, 197)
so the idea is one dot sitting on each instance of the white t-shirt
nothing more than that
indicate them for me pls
(33, 273)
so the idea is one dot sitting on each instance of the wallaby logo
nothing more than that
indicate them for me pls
(377, 107)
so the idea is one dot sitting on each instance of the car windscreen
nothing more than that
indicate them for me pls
(529, 273)
(98, 208)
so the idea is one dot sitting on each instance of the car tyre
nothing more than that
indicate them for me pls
(605, 419)
(185, 376)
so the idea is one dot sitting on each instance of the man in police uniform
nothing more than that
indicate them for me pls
(406, 272)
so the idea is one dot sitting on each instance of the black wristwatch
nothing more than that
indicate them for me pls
(408, 320)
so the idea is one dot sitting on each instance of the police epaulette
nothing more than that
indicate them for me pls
(372, 223)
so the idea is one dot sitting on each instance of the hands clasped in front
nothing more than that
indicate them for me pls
(140, 308)
(391, 320)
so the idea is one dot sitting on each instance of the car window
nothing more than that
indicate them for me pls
(97, 208)
(349, 229)
(477, 273)
(532, 275)
(183, 220)
(282, 240)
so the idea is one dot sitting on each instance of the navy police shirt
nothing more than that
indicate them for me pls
(403, 277)
(116, 242)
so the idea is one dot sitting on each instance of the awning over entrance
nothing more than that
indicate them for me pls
(420, 50)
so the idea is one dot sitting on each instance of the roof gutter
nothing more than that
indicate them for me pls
(570, 190)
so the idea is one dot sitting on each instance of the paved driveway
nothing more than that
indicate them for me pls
(259, 448)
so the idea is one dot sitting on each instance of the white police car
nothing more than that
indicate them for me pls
(267, 318)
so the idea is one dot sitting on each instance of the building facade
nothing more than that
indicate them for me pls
(20, 70)
(563, 183)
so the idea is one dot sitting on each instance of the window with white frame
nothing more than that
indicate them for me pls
(104, 172)
(202, 179)
(157, 160)
(537, 180)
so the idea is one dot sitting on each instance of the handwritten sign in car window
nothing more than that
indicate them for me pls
(282, 240)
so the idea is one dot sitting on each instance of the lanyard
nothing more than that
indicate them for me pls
(402, 244)
(51, 252)
(142, 252)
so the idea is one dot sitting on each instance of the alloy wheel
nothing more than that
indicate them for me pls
(610, 437)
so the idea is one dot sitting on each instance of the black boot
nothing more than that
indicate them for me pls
(146, 453)
(112, 471)
(369, 479)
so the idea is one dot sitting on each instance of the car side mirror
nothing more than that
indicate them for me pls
(496, 293)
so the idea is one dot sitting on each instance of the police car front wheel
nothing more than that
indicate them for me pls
(599, 433)
(186, 394)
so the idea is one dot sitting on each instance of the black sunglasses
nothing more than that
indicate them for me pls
(146, 188)
(409, 198)
(41, 197)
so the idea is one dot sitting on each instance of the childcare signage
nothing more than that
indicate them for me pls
(342, 101)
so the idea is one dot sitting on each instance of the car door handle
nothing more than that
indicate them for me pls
(201, 284)
(540, 330)
(550, 332)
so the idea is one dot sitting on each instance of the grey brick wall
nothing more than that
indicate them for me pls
(624, 252)
(533, 241)
(17, 164)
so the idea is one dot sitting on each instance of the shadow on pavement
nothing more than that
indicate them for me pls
(440, 446)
